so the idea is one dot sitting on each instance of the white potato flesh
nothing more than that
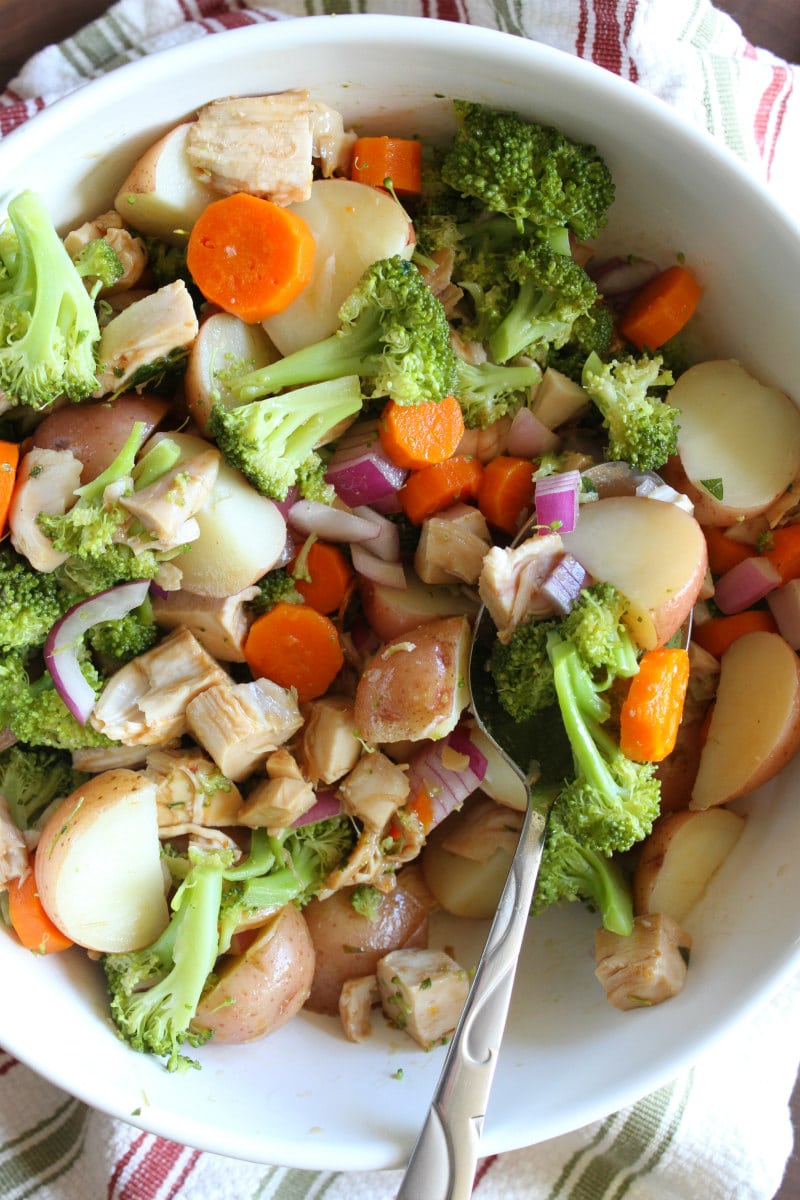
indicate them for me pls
(460, 885)
(739, 432)
(393, 611)
(242, 533)
(755, 725)
(98, 866)
(654, 553)
(222, 341)
(354, 225)
(162, 195)
(680, 857)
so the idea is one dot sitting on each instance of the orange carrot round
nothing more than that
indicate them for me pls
(717, 634)
(417, 435)
(380, 160)
(9, 461)
(651, 714)
(724, 552)
(661, 308)
(505, 495)
(437, 487)
(329, 577)
(784, 552)
(296, 647)
(28, 919)
(250, 256)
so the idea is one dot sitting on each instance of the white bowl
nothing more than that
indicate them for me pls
(305, 1096)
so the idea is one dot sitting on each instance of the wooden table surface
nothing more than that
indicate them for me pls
(27, 25)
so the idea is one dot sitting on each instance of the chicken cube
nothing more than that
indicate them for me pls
(356, 1000)
(374, 790)
(145, 702)
(275, 804)
(645, 968)
(423, 992)
(511, 579)
(191, 790)
(146, 331)
(452, 546)
(167, 506)
(220, 623)
(329, 747)
(46, 483)
(241, 724)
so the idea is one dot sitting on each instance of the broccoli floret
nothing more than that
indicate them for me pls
(642, 428)
(48, 326)
(570, 871)
(116, 564)
(167, 263)
(394, 335)
(125, 638)
(596, 628)
(272, 441)
(488, 391)
(35, 712)
(521, 670)
(528, 171)
(276, 587)
(99, 261)
(32, 777)
(553, 293)
(30, 602)
(592, 333)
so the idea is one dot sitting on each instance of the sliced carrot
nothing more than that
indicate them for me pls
(28, 919)
(435, 488)
(784, 552)
(505, 495)
(380, 161)
(719, 633)
(329, 577)
(651, 714)
(724, 552)
(250, 256)
(9, 461)
(296, 647)
(416, 435)
(422, 807)
(661, 308)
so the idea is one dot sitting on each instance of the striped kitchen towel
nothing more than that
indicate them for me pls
(719, 1132)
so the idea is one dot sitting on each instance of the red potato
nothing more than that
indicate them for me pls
(348, 945)
(755, 725)
(738, 442)
(678, 771)
(98, 867)
(415, 686)
(257, 992)
(163, 194)
(652, 551)
(394, 611)
(680, 857)
(95, 433)
(222, 341)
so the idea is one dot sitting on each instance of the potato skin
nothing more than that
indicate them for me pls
(95, 433)
(347, 944)
(258, 991)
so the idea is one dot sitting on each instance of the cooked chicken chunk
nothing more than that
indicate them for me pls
(167, 506)
(374, 790)
(191, 790)
(220, 623)
(510, 583)
(46, 483)
(452, 546)
(423, 992)
(143, 333)
(356, 1000)
(646, 968)
(328, 746)
(274, 804)
(130, 250)
(13, 848)
(266, 145)
(144, 703)
(96, 759)
(240, 724)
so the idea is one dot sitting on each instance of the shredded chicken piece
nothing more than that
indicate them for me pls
(422, 992)
(356, 1000)
(646, 968)
(511, 579)
(482, 828)
(166, 506)
(145, 702)
(144, 333)
(452, 546)
(129, 249)
(46, 483)
(190, 788)
(241, 724)
(329, 747)
(13, 848)
(220, 623)
(374, 790)
(266, 145)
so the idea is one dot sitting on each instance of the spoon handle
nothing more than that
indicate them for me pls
(442, 1164)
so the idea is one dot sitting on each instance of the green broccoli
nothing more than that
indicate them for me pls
(48, 326)
(276, 587)
(119, 641)
(521, 670)
(529, 172)
(99, 261)
(32, 777)
(488, 391)
(642, 428)
(117, 564)
(272, 441)
(34, 711)
(30, 602)
(394, 335)
(592, 332)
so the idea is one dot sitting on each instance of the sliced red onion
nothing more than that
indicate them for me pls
(745, 584)
(386, 543)
(387, 504)
(557, 501)
(283, 506)
(565, 583)
(60, 649)
(377, 570)
(332, 524)
(158, 591)
(618, 276)
(529, 438)
(360, 471)
(784, 604)
(447, 787)
(327, 805)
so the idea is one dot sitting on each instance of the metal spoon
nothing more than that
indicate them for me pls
(442, 1164)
